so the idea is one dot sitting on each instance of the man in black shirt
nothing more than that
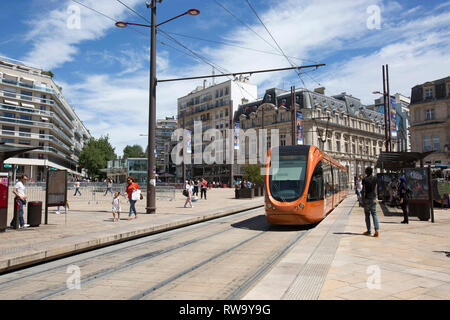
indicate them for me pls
(369, 200)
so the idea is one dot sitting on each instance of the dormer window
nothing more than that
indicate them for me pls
(428, 93)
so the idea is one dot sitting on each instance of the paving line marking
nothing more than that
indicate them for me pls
(242, 289)
(311, 277)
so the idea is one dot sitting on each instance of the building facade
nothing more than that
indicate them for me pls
(339, 125)
(118, 170)
(164, 129)
(33, 112)
(430, 120)
(214, 106)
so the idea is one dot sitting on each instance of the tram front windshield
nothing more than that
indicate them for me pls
(287, 177)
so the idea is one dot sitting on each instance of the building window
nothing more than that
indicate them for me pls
(26, 95)
(9, 92)
(7, 130)
(329, 146)
(436, 142)
(426, 143)
(353, 148)
(338, 146)
(346, 147)
(221, 92)
(226, 91)
(374, 151)
(7, 140)
(430, 114)
(429, 93)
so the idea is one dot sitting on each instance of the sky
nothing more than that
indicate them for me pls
(104, 70)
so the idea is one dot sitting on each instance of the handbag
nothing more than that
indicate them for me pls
(185, 193)
(142, 197)
(136, 195)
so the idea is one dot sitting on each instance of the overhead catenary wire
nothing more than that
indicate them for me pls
(243, 23)
(265, 27)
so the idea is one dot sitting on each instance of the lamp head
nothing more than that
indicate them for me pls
(193, 12)
(121, 24)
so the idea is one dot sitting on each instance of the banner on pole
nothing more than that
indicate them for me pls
(189, 141)
(299, 123)
(236, 136)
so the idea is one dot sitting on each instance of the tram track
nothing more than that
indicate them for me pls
(247, 230)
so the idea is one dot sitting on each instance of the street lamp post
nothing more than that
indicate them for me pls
(151, 164)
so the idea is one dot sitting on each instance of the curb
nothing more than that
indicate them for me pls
(102, 239)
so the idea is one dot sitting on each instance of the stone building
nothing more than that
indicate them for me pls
(430, 120)
(339, 125)
(213, 105)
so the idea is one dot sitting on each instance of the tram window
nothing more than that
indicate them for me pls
(315, 191)
(328, 179)
(335, 185)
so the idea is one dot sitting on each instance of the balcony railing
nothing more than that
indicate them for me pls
(33, 135)
(26, 85)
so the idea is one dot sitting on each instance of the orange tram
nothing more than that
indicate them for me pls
(303, 185)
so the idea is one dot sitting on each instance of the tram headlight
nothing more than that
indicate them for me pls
(301, 205)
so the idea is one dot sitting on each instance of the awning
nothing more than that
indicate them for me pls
(8, 150)
(12, 102)
(26, 79)
(400, 160)
(44, 118)
(5, 75)
(27, 105)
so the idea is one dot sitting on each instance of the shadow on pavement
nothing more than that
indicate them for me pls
(259, 223)
(388, 213)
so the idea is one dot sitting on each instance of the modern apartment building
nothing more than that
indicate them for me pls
(33, 112)
(213, 105)
(430, 120)
(340, 125)
(164, 129)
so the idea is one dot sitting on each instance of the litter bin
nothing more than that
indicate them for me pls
(34, 214)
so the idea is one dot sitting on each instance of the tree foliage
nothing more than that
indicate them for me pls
(252, 173)
(134, 151)
(95, 155)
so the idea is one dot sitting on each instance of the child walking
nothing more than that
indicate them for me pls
(116, 207)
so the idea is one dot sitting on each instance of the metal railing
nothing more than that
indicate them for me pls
(91, 193)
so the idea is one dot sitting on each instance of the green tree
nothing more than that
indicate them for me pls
(95, 155)
(252, 173)
(134, 151)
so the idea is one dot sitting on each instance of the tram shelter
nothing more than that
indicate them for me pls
(399, 162)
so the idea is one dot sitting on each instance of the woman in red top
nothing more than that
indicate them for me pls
(132, 186)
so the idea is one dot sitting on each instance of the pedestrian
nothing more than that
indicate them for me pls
(196, 187)
(19, 200)
(369, 201)
(116, 206)
(204, 188)
(189, 189)
(358, 188)
(108, 186)
(77, 188)
(132, 186)
(65, 208)
(404, 195)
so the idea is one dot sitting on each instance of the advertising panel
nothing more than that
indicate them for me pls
(417, 182)
(57, 188)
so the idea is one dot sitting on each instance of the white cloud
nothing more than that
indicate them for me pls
(54, 43)
(323, 30)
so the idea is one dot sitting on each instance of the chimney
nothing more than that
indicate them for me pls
(204, 84)
(320, 90)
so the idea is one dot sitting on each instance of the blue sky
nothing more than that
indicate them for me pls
(104, 70)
